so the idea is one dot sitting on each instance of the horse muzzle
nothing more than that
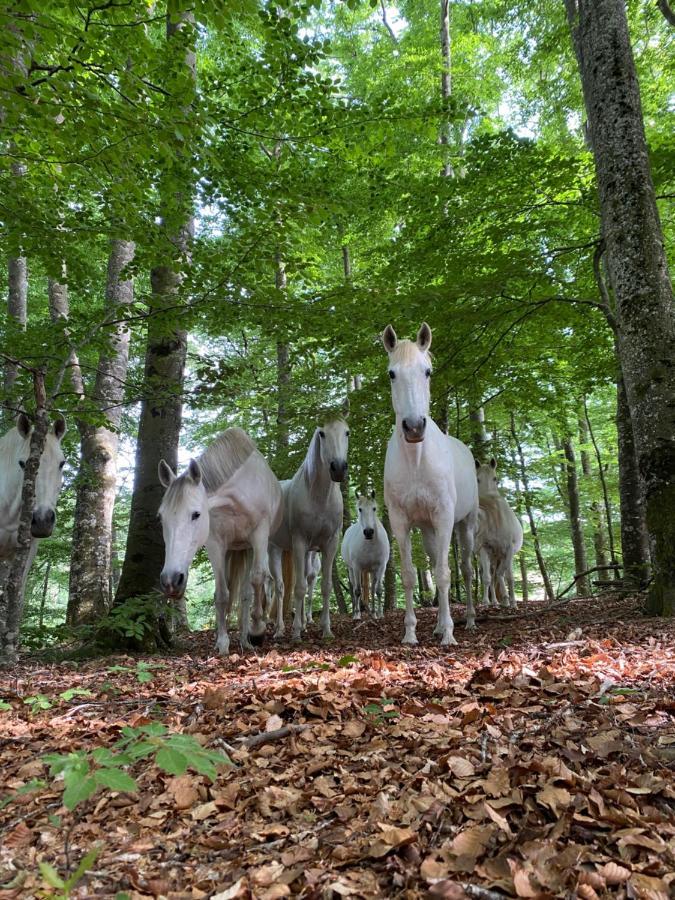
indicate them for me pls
(42, 523)
(338, 470)
(368, 533)
(413, 429)
(173, 584)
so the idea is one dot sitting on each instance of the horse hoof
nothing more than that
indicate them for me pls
(357, 617)
(328, 635)
(470, 626)
(448, 640)
(279, 635)
(223, 650)
(410, 640)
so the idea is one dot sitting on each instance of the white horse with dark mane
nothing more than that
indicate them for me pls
(312, 521)
(429, 482)
(365, 550)
(228, 500)
(498, 539)
(14, 450)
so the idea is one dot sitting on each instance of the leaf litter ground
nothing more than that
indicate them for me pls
(535, 759)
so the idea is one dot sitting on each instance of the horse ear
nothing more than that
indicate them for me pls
(389, 339)
(165, 473)
(493, 463)
(477, 464)
(344, 407)
(23, 425)
(424, 337)
(59, 428)
(194, 472)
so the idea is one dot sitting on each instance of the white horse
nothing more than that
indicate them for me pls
(429, 482)
(14, 450)
(279, 594)
(312, 570)
(365, 550)
(228, 500)
(312, 521)
(498, 539)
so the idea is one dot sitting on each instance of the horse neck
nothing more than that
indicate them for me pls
(318, 480)
(11, 481)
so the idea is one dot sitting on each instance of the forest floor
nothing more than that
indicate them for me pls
(535, 759)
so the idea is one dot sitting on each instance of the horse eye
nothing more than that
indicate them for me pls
(195, 515)
(428, 373)
(360, 510)
(22, 463)
(62, 463)
(392, 374)
(322, 434)
(347, 434)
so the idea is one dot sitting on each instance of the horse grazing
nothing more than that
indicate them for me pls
(429, 482)
(498, 539)
(14, 449)
(311, 522)
(365, 550)
(228, 500)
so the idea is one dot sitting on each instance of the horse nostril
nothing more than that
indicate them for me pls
(178, 579)
(424, 422)
(406, 427)
(51, 517)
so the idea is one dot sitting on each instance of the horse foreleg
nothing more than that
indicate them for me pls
(485, 574)
(278, 602)
(379, 592)
(311, 584)
(355, 579)
(402, 534)
(222, 598)
(260, 572)
(299, 554)
(327, 558)
(444, 626)
(465, 539)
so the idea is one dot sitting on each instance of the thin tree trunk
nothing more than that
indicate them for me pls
(594, 513)
(337, 590)
(43, 596)
(605, 492)
(519, 512)
(479, 436)
(12, 591)
(283, 379)
(527, 498)
(637, 264)
(390, 570)
(162, 405)
(17, 310)
(576, 526)
(446, 83)
(91, 558)
(634, 538)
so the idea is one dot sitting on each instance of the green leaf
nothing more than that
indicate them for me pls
(115, 779)
(171, 761)
(86, 863)
(51, 876)
(347, 660)
(80, 789)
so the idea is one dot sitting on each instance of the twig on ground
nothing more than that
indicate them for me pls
(267, 737)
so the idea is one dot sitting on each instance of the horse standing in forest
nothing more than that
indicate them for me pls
(498, 538)
(365, 550)
(228, 500)
(14, 450)
(312, 521)
(429, 482)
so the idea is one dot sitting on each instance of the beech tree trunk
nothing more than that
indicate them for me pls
(583, 588)
(638, 269)
(527, 498)
(390, 571)
(91, 558)
(519, 512)
(17, 309)
(162, 405)
(283, 382)
(585, 420)
(446, 83)
(634, 538)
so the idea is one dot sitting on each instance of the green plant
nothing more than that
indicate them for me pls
(38, 702)
(382, 710)
(142, 671)
(4, 705)
(135, 618)
(75, 692)
(65, 886)
(33, 785)
(84, 772)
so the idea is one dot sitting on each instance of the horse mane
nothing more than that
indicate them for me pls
(491, 514)
(312, 460)
(407, 352)
(218, 463)
(224, 456)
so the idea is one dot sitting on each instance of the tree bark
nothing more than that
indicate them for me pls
(634, 538)
(519, 512)
(587, 428)
(283, 380)
(527, 498)
(479, 436)
(638, 269)
(162, 405)
(91, 558)
(446, 83)
(17, 310)
(583, 588)
(390, 571)
(12, 591)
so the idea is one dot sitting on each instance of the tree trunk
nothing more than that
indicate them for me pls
(17, 309)
(337, 590)
(446, 84)
(283, 380)
(12, 591)
(479, 436)
(634, 539)
(91, 559)
(594, 511)
(527, 498)
(390, 571)
(43, 596)
(574, 510)
(519, 512)
(162, 405)
(638, 269)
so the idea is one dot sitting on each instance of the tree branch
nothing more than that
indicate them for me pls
(668, 13)
(385, 22)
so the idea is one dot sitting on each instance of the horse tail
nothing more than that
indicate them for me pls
(289, 577)
(239, 563)
(365, 587)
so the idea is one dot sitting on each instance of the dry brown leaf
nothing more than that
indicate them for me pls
(646, 887)
(184, 791)
(434, 869)
(555, 798)
(461, 767)
(614, 873)
(354, 728)
(238, 889)
(587, 892)
(204, 811)
(498, 819)
(472, 841)
(448, 890)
